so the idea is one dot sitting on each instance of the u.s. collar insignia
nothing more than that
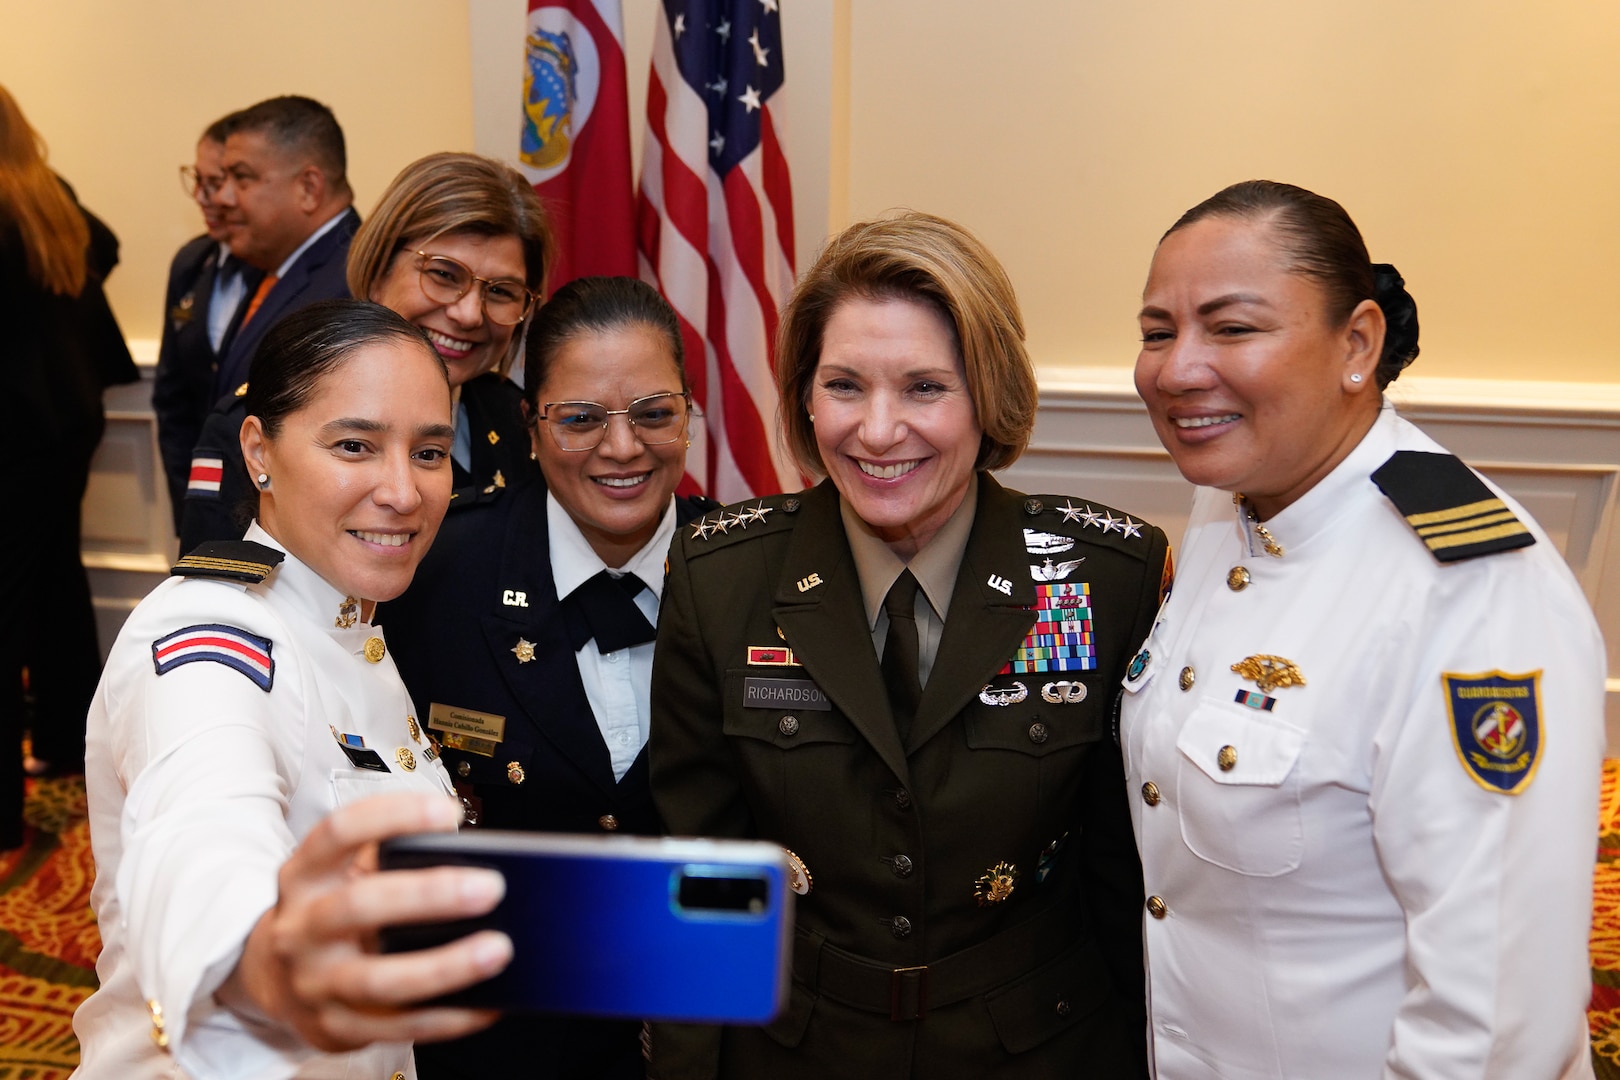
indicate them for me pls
(1004, 695)
(996, 884)
(1269, 672)
(1496, 727)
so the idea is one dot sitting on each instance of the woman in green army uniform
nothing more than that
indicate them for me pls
(907, 676)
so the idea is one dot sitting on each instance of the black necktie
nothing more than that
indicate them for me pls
(900, 653)
(604, 608)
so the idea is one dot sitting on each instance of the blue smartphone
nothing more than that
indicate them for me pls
(623, 926)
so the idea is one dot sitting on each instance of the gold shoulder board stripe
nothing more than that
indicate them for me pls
(1452, 510)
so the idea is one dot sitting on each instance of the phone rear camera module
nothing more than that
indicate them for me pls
(727, 894)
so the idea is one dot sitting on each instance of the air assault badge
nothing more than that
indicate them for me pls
(1496, 727)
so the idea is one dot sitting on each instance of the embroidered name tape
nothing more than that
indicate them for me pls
(1496, 727)
(784, 694)
(218, 644)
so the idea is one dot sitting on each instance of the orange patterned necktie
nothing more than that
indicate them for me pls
(258, 298)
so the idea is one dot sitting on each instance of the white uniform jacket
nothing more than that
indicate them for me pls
(1334, 889)
(216, 741)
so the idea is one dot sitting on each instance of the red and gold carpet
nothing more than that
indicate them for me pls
(48, 941)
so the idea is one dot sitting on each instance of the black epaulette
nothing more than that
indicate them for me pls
(233, 560)
(739, 521)
(1082, 519)
(1449, 507)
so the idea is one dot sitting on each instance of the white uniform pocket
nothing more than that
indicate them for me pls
(1238, 790)
(349, 787)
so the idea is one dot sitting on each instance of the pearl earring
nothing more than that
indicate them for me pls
(812, 417)
(264, 480)
(1355, 376)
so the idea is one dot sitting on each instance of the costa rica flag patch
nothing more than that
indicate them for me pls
(219, 644)
(1496, 727)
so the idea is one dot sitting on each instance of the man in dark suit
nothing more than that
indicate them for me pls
(207, 287)
(285, 202)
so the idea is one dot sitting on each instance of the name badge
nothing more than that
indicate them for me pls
(466, 729)
(783, 694)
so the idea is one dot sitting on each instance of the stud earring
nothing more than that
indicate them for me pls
(533, 456)
(1355, 376)
(264, 480)
(812, 417)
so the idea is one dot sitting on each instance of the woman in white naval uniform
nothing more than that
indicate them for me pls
(1363, 739)
(247, 698)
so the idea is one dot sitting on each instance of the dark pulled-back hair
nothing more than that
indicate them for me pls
(595, 305)
(295, 124)
(1323, 244)
(305, 347)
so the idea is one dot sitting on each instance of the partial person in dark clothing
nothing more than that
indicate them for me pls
(208, 290)
(285, 206)
(64, 348)
(527, 639)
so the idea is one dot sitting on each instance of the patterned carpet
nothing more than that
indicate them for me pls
(48, 941)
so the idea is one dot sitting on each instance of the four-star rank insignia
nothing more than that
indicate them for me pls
(1496, 727)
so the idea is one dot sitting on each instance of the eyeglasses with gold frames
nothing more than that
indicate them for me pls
(506, 301)
(655, 420)
(199, 186)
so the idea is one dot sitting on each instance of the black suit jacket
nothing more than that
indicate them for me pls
(999, 770)
(485, 585)
(183, 386)
(319, 274)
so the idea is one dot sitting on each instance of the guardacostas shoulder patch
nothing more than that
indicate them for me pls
(1496, 727)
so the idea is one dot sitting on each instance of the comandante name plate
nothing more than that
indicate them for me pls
(784, 694)
(456, 721)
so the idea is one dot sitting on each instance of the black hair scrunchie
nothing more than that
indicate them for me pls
(1401, 320)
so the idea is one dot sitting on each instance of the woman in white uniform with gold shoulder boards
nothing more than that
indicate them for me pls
(246, 699)
(1363, 739)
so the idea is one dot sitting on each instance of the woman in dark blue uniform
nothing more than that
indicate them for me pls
(526, 639)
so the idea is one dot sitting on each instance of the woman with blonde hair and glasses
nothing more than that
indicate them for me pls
(63, 348)
(527, 637)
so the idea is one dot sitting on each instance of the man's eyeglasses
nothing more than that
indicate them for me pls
(580, 425)
(198, 186)
(444, 281)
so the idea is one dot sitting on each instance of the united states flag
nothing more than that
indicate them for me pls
(715, 228)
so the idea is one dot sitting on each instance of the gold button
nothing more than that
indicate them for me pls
(1156, 907)
(1226, 758)
(1150, 793)
(1237, 579)
(397, 1076)
(515, 773)
(375, 650)
(1188, 677)
(608, 822)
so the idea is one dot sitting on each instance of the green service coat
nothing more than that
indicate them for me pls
(896, 837)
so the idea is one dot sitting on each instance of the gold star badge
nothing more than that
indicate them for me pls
(523, 650)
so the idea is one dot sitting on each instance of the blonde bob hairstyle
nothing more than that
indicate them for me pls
(915, 256)
(453, 193)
